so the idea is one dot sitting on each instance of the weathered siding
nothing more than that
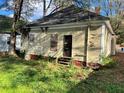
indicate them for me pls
(99, 43)
(4, 47)
(5, 40)
(109, 44)
(94, 44)
(41, 44)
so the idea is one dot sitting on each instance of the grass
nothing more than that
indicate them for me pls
(101, 82)
(20, 76)
(109, 79)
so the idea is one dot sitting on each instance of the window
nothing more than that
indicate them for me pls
(8, 40)
(31, 38)
(54, 42)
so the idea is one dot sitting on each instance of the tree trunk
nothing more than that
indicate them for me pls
(13, 36)
(13, 44)
(17, 13)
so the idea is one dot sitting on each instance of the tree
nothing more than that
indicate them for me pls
(5, 20)
(113, 9)
(17, 14)
(16, 6)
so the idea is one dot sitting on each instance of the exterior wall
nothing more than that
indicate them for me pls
(99, 43)
(113, 45)
(94, 44)
(24, 41)
(18, 42)
(4, 47)
(110, 43)
(41, 44)
(5, 38)
(107, 44)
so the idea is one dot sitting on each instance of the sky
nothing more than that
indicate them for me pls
(36, 15)
(3, 12)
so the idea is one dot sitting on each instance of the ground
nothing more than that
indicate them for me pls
(110, 79)
(41, 76)
(20, 76)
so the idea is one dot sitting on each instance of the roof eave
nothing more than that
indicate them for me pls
(74, 24)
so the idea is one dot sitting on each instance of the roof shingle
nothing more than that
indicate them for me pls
(68, 15)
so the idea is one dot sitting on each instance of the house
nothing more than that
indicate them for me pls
(70, 33)
(5, 42)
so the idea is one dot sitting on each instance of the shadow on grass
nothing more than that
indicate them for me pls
(8, 62)
(107, 80)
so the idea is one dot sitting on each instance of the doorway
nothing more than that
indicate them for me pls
(67, 51)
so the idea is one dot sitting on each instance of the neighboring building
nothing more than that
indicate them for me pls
(5, 27)
(5, 41)
(120, 48)
(69, 33)
(5, 23)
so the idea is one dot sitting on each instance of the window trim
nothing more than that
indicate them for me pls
(53, 39)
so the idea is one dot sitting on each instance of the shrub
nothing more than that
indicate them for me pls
(108, 62)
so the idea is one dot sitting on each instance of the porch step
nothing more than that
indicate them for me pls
(64, 60)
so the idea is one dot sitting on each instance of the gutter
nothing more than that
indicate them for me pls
(67, 25)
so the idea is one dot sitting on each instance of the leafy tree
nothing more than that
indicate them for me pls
(17, 9)
(5, 23)
(114, 10)
(20, 8)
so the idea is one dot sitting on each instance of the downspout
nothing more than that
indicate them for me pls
(102, 42)
(86, 37)
(86, 46)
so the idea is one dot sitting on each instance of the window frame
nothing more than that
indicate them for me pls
(53, 42)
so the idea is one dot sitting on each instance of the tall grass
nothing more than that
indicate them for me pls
(20, 76)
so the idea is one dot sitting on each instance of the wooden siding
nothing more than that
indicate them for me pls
(41, 44)
(94, 44)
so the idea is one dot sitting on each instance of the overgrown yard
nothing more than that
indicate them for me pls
(110, 79)
(20, 76)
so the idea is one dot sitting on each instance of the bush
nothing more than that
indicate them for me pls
(108, 62)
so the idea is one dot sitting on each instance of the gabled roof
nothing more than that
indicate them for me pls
(68, 15)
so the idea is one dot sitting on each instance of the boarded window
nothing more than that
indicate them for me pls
(31, 38)
(54, 42)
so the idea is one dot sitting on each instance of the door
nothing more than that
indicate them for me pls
(67, 51)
